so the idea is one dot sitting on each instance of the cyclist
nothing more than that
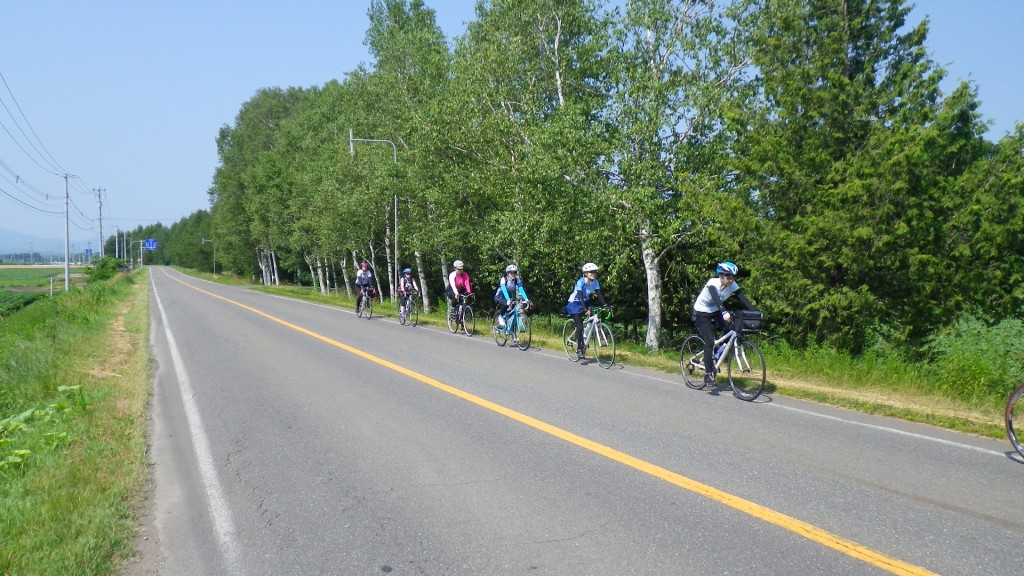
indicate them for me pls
(508, 286)
(458, 286)
(709, 314)
(407, 287)
(579, 302)
(364, 281)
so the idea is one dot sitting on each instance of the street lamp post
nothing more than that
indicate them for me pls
(394, 149)
(205, 240)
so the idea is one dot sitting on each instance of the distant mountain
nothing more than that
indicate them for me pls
(17, 242)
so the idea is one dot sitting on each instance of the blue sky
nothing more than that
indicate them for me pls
(129, 95)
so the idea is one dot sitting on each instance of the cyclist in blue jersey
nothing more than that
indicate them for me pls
(505, 296)
(708, 312)
(407, 287)
(579, 303)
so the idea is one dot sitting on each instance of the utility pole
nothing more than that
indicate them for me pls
(99, 198)
(205, 240)
(67, 241)
(352, 152)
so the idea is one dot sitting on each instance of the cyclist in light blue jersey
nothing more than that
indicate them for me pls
(505, 296)
(579, 304)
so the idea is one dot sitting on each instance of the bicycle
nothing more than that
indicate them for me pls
(462, 316)
(364, 304)
(411, 309)
(597, 336)
(517, 325)
(745, 367)
(1014, 416)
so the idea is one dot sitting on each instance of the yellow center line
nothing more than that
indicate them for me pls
(809, 531)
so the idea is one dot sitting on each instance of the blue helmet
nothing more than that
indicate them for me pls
(727, 268)
(407, 271)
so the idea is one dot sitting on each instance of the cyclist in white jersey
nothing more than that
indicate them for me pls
(708, 312)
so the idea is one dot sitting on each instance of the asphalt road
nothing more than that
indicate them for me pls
(294, 438)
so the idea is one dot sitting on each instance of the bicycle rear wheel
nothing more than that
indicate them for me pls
(453, 319)
(1015, 419)
(746, 371)
(468, 321)
(691, 362)
(603, 344)
(524, 331)
(569, 340)
(500, 335)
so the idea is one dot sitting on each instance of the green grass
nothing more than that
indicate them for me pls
(35, 276)
(13, 301)
(72, 430)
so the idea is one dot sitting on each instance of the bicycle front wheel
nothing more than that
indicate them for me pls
(500, 335)
(524, 331)
(691, 362)
(360, 306)
(368, 309)
(1015, 419)
(746, 371)
(603, 344)
(468, 321)
(569, 340)
(413, 312)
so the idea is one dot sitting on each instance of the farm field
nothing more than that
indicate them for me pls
(28, 276)
(20, 285)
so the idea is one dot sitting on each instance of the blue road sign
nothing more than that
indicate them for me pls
(150, 244)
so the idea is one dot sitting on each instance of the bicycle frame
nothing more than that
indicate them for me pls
(591, 324)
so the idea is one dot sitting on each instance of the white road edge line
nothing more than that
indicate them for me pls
(219, 512)
(888, 429)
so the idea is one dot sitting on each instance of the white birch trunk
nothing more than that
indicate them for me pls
(424, 293)
(653, 270)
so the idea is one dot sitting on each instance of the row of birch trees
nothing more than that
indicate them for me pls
(806, 140)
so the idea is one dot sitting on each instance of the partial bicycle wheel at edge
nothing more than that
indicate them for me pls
(1015, 419)
(691, 362)
(568, 335)
(746, 371)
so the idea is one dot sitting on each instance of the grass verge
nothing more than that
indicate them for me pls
(76, 375)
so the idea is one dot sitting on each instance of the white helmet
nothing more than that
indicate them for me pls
(458, 264)
(590, 267)
(511, 268)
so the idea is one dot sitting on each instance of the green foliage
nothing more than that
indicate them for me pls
(104, 268)
(807, 140)
(979, 361)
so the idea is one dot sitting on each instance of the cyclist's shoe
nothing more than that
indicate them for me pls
(581, 352)
(709, 379)
(401, 316)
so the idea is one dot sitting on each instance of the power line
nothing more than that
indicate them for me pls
(54, 162)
